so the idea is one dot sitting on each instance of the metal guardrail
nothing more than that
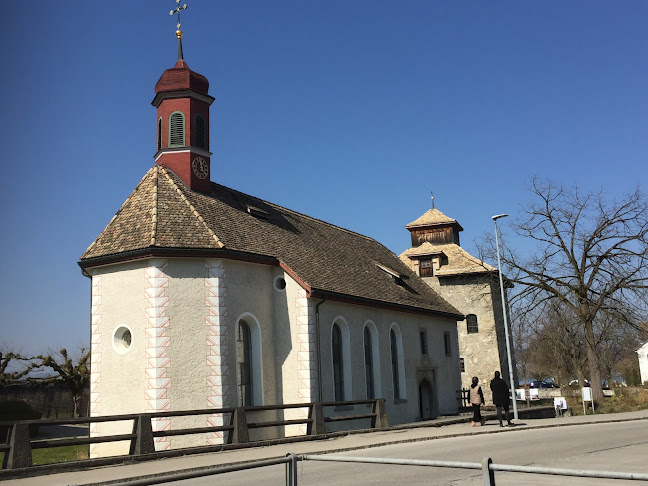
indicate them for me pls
(18, 445)
(486, 466)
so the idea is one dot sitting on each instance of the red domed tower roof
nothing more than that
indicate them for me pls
(180, 77)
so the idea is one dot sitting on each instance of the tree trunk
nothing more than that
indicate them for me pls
(592, 362)
(76, 399)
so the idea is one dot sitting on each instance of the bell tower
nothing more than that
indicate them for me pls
(182, 126)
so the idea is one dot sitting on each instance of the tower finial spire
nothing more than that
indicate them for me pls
(179, 32)
(432, 197)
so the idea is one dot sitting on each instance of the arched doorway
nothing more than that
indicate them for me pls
(426, 408)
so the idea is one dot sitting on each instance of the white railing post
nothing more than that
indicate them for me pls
(487, 473)
(291, 470)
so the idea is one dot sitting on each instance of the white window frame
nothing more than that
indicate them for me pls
(257, 358)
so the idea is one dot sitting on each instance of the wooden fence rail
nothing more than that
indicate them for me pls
(18, 445)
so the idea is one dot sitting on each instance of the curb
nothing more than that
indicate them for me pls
(153, 477)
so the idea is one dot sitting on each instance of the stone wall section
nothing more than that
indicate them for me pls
(473, 294)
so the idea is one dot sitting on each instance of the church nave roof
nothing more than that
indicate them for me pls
(162, 213)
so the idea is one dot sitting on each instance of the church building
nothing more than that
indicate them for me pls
(206, 297)
(471, 286)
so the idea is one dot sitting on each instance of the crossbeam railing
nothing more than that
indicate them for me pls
(18, 445)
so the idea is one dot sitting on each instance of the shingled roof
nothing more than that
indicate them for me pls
(432, 217)
(459, 261)
(162, 213)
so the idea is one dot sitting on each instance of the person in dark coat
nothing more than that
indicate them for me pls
(501, 398)
(476, 400)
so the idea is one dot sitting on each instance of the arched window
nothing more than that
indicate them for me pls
(341, 358)
(176, 129)
(471, 324)
(200, 140)
(338, 363)
(368, 355)
(248, 362)
(372, 361)
(159, 134)
(244, 359)
(397, 363)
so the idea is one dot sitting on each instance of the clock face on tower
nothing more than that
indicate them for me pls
(200, 168)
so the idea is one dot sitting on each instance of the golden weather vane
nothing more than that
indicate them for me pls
(179, 32)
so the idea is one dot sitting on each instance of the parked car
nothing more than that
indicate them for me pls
(575, 383)
(542, 384)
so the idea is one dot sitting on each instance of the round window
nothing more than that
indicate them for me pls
(279, 283)
(122, 339)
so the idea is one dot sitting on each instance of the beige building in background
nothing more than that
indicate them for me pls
(471, 286)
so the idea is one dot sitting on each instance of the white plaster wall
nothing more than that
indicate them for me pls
(188, 347)
(642, 353)
(295, 352)
(250, 291)
(119, 380)
(287, 329)
(445, 369)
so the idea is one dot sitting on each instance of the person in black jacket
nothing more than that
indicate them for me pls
(501, 398)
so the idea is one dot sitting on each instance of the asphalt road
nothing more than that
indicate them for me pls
(607, 446)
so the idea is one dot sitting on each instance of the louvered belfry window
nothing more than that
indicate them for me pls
(159, 134)
(176, 130)
(199, 132)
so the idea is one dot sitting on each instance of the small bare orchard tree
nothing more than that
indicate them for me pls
(590, 255)
(20, 370)
(74, 373)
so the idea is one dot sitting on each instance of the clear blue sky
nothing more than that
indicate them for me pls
(351, 111)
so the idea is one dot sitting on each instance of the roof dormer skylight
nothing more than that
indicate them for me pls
(258, 213)
(398, 278)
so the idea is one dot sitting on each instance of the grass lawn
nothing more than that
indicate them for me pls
(57, 454)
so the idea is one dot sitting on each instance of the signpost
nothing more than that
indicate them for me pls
(586, 393)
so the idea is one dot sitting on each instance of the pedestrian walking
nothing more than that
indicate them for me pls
(476, 400)
(501, 398)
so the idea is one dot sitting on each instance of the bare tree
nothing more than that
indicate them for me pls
(74, 373)
(521, 337)
(591, 256)
(617, 342)
(558, 329)
(11, 373)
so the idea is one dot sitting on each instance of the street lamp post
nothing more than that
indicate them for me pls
(506, 328)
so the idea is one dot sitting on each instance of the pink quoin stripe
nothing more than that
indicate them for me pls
(95, 358)
(307, 388)
(157, 347)
(218, 391)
